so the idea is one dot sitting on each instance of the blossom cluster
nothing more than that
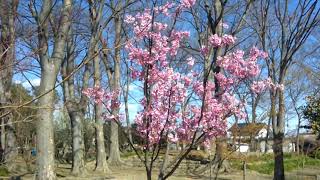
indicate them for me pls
(259, 86)
(216, 41)
(168, 89)
(166, 113)
(107, 98)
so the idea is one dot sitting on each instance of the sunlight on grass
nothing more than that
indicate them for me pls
(264, 164)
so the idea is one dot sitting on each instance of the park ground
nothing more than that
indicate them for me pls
(258, 167)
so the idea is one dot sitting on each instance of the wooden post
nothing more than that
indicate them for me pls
(244, 170)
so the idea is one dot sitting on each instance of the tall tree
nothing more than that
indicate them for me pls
(114, 154)
(213, 24)
(75, 106)
(50, 57)
(113, 69)
(152, 52)
(289, 31)
(8, 15)
(96, 15)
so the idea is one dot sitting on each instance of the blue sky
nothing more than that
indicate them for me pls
(135, 91)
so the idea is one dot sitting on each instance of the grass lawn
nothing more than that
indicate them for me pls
(264, 163)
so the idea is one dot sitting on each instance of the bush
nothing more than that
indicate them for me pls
(316, 154)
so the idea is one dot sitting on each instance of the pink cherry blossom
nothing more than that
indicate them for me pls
(204, 50)
(129, 19)
(164, 112)
(190, 61)
(187, 3)
(228, 39)
(215, 40)
(259, 86)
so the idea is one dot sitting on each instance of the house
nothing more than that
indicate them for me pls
(246, 137)
(252, 137)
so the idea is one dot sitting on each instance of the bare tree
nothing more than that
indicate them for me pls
(96, 14)
(50, 62)
(113, 69)
(114, 154)
(282, 35)
(297, 86)
(75, 106)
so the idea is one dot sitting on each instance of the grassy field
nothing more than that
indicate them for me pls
(264, 163)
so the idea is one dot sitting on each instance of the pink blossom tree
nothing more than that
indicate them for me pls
(166, 115)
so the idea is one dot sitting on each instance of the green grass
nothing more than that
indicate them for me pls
(4, 171)
(264, 164)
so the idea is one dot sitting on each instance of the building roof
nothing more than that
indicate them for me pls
(246, 129)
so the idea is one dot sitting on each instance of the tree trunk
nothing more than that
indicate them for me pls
(126, 105)
(221, 142)
(221, 164)
(45, 137)
(164, 163)
(297, 139)
(278, 133)
(8, 9)
(50, 65)
(101, 157)
(78, 162)
(75, 108)
(114, 156)
(149, 175)
(278, 157)
(11, 151)
(3, 135)
(266, 148)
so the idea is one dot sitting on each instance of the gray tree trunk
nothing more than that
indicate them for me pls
(44, 129)
(96, 11)
(50, 66)
(75, 109)
(78, 162)
(114, 156)
(126, 105)
(8, 9)
(101, 160)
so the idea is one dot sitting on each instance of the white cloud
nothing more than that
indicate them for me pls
(17, 81)
(34, 82)
(133, 109)
(26, 84)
